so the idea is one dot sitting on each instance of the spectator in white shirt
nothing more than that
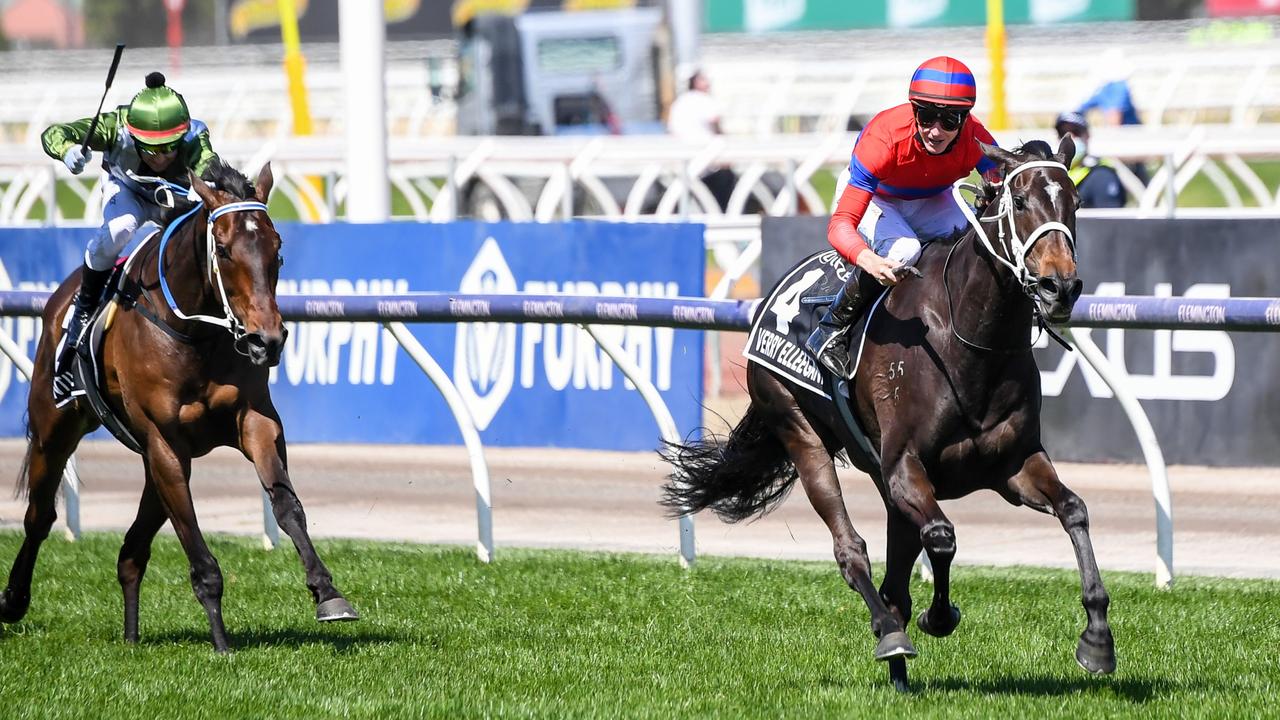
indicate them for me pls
(695, 115)
(695, 118)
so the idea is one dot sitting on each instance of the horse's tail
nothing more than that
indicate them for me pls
(747, 474)
(21, 488)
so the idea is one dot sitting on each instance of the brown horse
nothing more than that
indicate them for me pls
(182, 385)
(949, 395)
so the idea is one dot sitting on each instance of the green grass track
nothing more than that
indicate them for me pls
(573, 634)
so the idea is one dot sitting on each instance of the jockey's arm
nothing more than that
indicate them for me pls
(57, 139)
(842, 233)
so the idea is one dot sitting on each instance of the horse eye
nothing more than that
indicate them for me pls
(279, 261)
(222, 251)
(1019, 202)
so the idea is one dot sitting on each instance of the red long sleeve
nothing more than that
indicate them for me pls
(842, 230)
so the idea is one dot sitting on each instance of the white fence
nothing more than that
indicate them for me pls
(542, 179)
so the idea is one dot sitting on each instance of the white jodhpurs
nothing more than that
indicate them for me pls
(123, 212)
(893, 227)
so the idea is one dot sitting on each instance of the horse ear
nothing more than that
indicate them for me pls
(206, 193)
(999, 156)
(262, 186)
(1066, 150)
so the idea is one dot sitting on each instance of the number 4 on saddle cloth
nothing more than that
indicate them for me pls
(785, 319)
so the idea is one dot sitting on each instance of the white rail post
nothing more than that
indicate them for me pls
(721, 291)
(1150, 450)
(70, 480)
(662, 414)
(470, 436)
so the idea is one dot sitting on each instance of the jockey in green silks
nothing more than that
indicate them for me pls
(153, 136)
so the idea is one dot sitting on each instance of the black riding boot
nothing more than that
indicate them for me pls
(92, 283)
(828, 341)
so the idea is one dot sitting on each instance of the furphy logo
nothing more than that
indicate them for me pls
(484, 357)
(1161, 383)
(490, 357)
(318, 352)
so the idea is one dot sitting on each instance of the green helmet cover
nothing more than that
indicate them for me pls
(157, 116)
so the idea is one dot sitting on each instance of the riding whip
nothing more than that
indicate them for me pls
(111, 75)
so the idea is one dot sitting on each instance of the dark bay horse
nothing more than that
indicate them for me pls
(182, 385)
(948, 392)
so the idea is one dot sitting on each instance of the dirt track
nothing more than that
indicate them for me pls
(1223, 519)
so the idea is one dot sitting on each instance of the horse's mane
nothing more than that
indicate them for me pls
(1028, 151)
(219, 175)
(228, 179)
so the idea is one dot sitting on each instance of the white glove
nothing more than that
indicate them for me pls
(76, 158)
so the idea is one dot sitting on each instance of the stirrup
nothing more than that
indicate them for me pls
(841, 369)
(830, 350)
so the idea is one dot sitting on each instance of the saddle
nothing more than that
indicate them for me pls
(83, 374)
(785, 319)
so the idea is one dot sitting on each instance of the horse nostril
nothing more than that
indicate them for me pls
(1077, 286)
(1049, 287)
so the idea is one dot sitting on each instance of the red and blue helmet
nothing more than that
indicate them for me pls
(943, 81)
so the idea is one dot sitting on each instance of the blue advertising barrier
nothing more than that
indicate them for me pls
(346, 380)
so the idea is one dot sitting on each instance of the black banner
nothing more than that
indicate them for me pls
(1213, 397)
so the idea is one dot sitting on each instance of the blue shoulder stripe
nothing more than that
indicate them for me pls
(860, 176)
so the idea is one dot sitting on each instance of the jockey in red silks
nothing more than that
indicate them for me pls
(904, 164)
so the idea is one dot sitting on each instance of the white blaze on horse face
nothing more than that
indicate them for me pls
(252, 226)
(1053, 188)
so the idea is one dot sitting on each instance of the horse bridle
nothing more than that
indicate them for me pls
(229, 321)
(1014, 247)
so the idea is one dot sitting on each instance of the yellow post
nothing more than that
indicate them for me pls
(999, 117)
(295, 68)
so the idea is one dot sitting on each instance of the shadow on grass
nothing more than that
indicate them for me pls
(286, 637)
(1130, 689)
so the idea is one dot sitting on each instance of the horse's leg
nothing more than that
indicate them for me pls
(817, 473)
(170, 472)
(818, 476)
(902, 549)
(911, 496)
(54, 436)
(262, 441)
(1037, 486)
(135, 553)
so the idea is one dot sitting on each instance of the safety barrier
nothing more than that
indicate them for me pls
(1136, 312)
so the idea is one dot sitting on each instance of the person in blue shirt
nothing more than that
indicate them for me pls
(1114, 101)
(1096, 179)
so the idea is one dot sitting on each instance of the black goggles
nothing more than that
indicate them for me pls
(949, 118)
(158, 150)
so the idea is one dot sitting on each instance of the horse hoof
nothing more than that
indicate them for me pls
(895, 645)
(335, 609)
(1097, 659)
(13, 609)
(922, 622)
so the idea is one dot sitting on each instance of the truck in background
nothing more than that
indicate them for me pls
(555, 72)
